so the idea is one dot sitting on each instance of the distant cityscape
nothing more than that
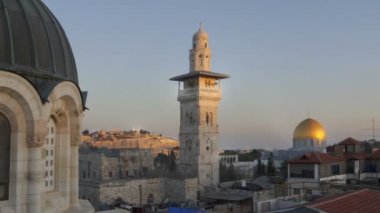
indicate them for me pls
(136, 170)
(49, 164)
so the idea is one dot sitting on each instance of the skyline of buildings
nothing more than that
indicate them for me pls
(50, 164)
(287, 59)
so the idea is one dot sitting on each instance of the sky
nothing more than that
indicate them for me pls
(287, 59)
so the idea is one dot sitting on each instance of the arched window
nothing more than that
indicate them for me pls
(207, 118)
(5, 149)
(49, 147)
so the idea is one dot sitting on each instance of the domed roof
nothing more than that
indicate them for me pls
(201, 34)
(309, 129)
(34, 45)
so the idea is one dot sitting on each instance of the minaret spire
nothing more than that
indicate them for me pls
(199, 99)
(200, 54)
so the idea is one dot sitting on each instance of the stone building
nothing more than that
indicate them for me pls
(41, 110)
(228, 158)
(111, 175)
(107, 164)
(199, 94)
(348, 165)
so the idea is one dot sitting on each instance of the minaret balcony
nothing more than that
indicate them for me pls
(214, 93)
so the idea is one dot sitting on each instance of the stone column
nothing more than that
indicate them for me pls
(35, 173)
(74, 171)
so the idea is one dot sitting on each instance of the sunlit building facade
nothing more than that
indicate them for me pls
(199, 95)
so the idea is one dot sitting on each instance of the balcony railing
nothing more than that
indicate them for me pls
(214, 92)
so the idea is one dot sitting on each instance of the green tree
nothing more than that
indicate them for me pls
(260, 168)
(172, 162)
(284, 170)
(166, 162)
(223, 173)
(271, 170)
(231, 173)
(227, 173)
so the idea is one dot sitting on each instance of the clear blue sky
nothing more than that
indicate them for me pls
(286, 58)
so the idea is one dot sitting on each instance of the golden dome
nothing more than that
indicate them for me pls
(309, 129)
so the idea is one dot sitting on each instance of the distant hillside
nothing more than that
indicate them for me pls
(130, 139)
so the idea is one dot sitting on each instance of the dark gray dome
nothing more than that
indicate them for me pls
(34, 45)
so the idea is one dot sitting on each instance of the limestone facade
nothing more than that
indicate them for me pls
(32, 186)
(199, 95)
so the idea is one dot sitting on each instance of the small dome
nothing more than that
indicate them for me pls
(201, 34)
(34, 45)
(309, 129)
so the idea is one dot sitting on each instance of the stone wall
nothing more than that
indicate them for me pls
(102, 195)
(186, 189)
(130, 191)
(108, 164)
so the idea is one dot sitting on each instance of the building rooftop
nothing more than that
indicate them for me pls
(316, 157)
(356, 156)
(232, 195)
(197, 74)
(349, 141)
(375, 155)
(364, 201)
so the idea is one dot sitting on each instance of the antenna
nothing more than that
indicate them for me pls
(372, 129)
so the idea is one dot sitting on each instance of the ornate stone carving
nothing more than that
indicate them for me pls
(38, 138)
(35, 141)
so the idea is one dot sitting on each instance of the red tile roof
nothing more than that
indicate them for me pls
(355, 156)
(316, 157)
(363, 201)
(374, 155)
(349, 141)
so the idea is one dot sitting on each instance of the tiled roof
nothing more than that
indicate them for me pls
(349, 141)
(375, 155)
(363, 201)
(355, 156)
(316, 157)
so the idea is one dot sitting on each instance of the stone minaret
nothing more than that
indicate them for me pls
(199, 95)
